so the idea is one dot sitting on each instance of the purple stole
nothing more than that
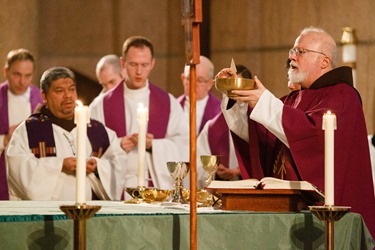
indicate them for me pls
(35, 99)
(159, 110)
(43, 144)
(218, 138)
(210, 111)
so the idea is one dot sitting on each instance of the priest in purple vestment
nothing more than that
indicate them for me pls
(208, 105)
(18, 99)
(285, 139)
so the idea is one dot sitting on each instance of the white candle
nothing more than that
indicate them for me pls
(329, 125)
(349, 53)
(81, 118)
(142, 118)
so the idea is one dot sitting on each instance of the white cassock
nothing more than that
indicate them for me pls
(32, 178)
(174, 147)
(203, 148)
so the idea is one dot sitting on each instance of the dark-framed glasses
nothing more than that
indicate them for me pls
(301, 51)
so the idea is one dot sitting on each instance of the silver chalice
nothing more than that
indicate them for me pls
(178, 171)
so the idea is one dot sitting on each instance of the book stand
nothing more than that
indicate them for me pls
(263, 200)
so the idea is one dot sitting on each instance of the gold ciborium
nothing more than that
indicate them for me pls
(178, 171)
(226, 85)
(210, 163)
(147, 195)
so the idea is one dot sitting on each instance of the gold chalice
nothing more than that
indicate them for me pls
(210, 164)
(178, 171)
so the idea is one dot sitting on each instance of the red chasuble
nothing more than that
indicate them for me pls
(302, 122)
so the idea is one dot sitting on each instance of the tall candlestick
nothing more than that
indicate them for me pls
(81, 118)
(142, 117)
(329, 125)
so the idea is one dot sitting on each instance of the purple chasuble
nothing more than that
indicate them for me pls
(210, 111)
(159, 110)
(35, 99)
(302, 123)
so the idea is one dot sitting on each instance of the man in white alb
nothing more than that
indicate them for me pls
(167, 137)
(18, 99)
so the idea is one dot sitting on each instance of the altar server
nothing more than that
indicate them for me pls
(167, 136)
(18, 99)
(207, 104)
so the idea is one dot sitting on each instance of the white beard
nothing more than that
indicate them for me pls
(296, 77)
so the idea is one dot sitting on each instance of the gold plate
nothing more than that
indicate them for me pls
(226, 85)
(148, 194)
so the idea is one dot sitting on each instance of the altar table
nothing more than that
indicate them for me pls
(42, 225)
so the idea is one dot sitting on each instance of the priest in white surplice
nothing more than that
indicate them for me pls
(167, 137)
(18, 98)
(41, 154)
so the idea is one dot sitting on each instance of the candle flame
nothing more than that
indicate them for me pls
(79, 103)
(328, 112)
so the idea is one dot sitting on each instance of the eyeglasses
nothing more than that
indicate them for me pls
(301, 51)
(199, 80)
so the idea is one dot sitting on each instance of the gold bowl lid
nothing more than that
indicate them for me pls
(226, 85)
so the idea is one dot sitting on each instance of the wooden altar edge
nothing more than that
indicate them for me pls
(264, 200)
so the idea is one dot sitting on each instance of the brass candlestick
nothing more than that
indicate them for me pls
(80, 213)
(329, 214)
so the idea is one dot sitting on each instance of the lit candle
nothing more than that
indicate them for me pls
(81, 118)
(142, 117)
(329, 125)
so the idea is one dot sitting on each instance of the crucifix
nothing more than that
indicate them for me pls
(191, 17)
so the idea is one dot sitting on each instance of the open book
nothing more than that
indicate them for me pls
(267, 183)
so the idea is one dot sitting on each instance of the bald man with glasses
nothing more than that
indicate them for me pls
(208, 105)
(288, 141)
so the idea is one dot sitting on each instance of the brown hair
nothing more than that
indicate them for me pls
(138, 42)
(18, 55)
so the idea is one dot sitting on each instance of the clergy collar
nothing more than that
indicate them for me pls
(25, 96)
(333, 77)
(68, 125)
(143, 89)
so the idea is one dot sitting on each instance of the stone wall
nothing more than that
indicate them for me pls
(256, 33)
